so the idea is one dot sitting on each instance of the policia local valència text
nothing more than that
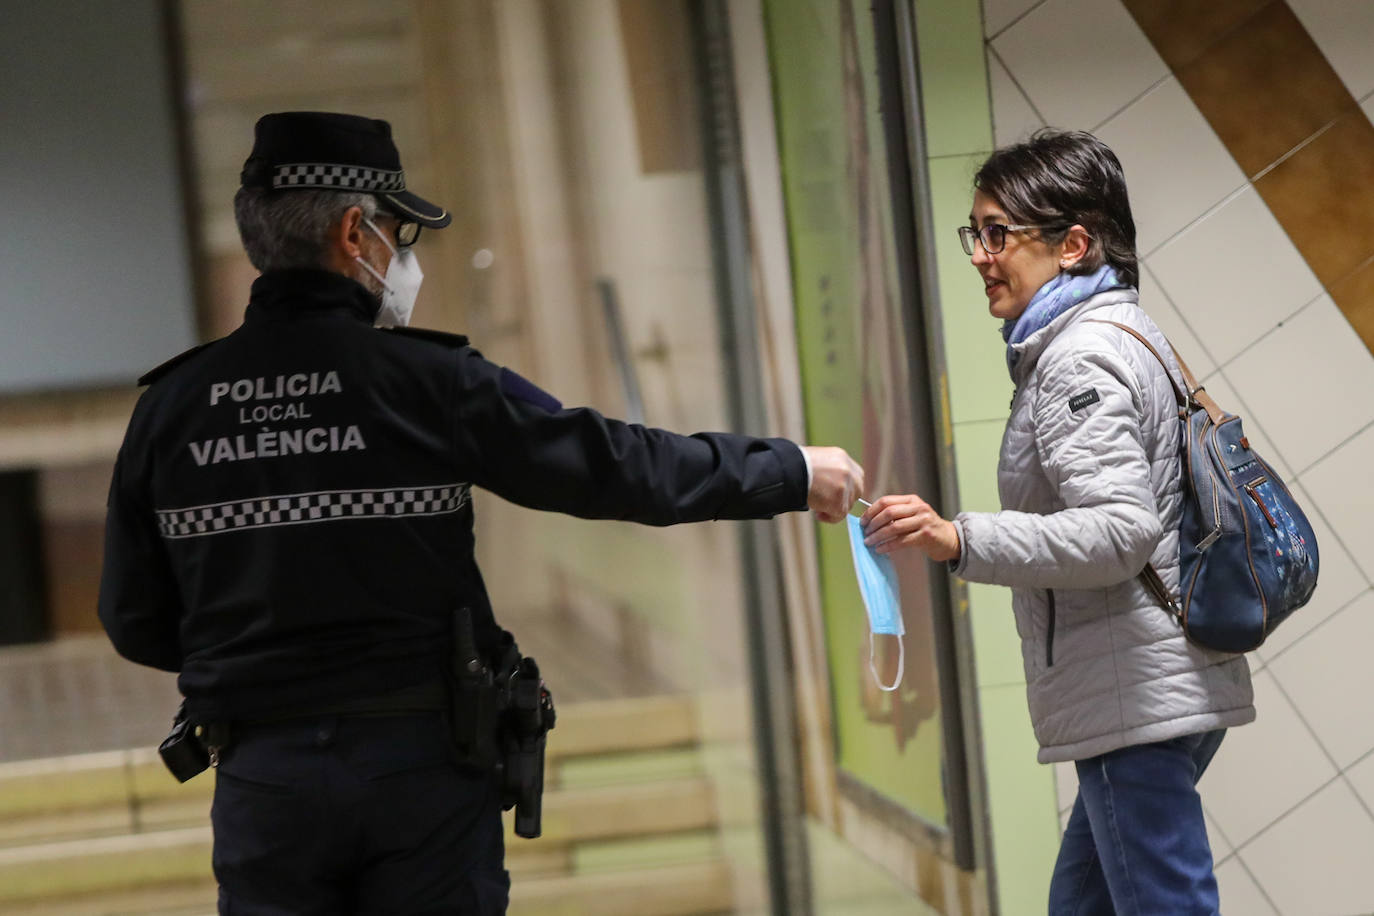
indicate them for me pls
(273, 400)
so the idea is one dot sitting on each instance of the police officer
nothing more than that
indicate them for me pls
(290, 528)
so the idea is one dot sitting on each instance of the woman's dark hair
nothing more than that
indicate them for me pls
(1058, 178)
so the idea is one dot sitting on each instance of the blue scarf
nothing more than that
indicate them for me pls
(1054, 299)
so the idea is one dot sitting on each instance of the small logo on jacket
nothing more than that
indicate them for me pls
(1079, 401)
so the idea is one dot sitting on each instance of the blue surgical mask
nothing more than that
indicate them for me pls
(878, 585)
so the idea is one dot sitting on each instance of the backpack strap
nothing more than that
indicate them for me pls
(1196, 393)
(1149, 576)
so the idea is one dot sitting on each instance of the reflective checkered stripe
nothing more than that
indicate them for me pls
(311, 508)
(337, 177)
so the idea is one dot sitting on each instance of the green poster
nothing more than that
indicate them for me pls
(856, 373)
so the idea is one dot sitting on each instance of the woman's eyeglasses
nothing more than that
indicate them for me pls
(993, 236)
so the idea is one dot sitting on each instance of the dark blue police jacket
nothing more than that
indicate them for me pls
(290, 521)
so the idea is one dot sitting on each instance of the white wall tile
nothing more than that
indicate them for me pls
(1216, 838)
(1264, 768)
(998, 14)
(1344, 30)
(1361, 776)
(1080, 61)
(1230, 400)
(1155, 301)
(1315, 862)
(1235, 274)
(1013, 119)
(1066, 784)
(1176, 167)
(1325, 671)
(1239, 893)
(1308, 385)
(1341, 489)
(1339, 581)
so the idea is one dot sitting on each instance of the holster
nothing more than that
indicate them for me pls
(182, 751)
(477, 701)
(500, 715)
(524, 738)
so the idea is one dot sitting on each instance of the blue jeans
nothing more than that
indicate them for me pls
(1136, 843)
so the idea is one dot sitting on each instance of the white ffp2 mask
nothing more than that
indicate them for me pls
(400, 286)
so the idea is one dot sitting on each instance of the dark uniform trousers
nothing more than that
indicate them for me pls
(365, 815)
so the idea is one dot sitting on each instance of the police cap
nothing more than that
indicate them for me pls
(335, 152)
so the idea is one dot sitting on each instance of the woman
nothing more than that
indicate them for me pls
(1089, 478)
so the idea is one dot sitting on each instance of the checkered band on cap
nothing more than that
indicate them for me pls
(337, 177)
(309, 508)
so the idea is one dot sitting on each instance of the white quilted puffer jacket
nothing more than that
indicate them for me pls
(1090, 490)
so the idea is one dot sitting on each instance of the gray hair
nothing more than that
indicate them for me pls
(286, 229)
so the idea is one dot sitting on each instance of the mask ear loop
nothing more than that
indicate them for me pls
(372, 270)
(368, 267)
(901, 664)
(381, 235)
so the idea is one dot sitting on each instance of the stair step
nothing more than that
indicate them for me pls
(168, 873)
(101, 864)
(196, 898)
(570, 817)
(578, 815)
(646, 852)
(625, 768)
(626, 801)
(690, 889)
(612, 726)
(134, 778)
(131, 780)
(108, 820)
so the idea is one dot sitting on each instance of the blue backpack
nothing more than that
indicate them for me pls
(1247, 554)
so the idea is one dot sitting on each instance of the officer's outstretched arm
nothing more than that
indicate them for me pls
(524, 446)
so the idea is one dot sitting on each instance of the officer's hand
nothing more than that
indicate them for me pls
(836, 481)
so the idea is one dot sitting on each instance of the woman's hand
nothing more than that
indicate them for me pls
(894, 522)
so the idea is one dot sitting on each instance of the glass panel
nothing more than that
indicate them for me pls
(565, 139)
(622, 315)
(856, 377)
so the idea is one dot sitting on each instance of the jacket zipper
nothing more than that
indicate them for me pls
(1049, 636)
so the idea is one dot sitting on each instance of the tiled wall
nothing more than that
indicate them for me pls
(1244, 130)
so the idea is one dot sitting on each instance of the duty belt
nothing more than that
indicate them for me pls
(430, 696)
